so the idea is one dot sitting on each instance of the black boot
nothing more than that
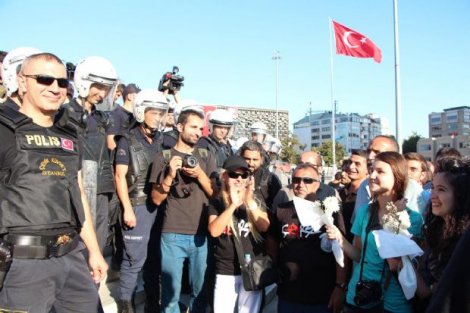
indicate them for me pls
(125, 306)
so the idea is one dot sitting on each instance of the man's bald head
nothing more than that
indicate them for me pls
(313, 158)
(380, 144)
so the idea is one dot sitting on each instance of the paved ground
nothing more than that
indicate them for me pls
(108, 294)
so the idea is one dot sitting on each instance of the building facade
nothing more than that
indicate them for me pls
(352, 131)
(428, 147)
(451, 122)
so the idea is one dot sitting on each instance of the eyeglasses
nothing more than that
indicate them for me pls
(306, 180)
(47, 80)
(236, 175)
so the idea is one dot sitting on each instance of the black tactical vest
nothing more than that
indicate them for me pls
(95, 148)
(41, 189)
(221, 151)
(140, 165)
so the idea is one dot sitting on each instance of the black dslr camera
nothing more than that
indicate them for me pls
(367, 291)
(190, 161)
(176, 81)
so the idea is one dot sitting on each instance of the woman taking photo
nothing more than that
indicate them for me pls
(235, 215)
(446, 222)
(373, 286)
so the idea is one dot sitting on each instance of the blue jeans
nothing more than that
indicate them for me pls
(135, 249)
(174, 249)
(285, 306)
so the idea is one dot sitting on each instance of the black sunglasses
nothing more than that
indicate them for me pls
(49, 80)
(235, 175)
(306, 180)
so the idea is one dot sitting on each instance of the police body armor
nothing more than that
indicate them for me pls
(41, 189)
(140, 162)
(95, 149)
(221, 151)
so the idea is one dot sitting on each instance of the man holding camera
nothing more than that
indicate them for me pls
(183, 177)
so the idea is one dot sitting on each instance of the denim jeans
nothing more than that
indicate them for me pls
(174, 249)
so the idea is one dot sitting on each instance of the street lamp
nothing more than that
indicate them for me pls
(277, 57)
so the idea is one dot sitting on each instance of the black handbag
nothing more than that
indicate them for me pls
(257, 271)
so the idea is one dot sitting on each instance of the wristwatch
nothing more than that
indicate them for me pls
(342, 286)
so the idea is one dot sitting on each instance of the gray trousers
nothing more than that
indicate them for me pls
(63, 283)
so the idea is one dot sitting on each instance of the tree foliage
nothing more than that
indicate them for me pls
(410, 144)
(289, 152)
(326, 152)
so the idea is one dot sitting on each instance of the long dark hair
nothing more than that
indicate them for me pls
(441, 237)
(400, 172)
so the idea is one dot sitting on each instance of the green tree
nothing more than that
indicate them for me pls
(289, 152)
(326, 152)
(410, 144)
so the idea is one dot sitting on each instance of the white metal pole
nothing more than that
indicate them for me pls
(333, 117)
(276, 58)
(397, 78)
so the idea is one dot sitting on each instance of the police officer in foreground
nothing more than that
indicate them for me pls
(44, 212)
(134, 156)
(94, 79)
(221, 126)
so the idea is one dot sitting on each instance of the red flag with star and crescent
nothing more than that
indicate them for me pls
(350, 42)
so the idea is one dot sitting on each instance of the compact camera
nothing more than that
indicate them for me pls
(190, 161)
(367, 291)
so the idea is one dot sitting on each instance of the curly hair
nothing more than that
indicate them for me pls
(442, 237)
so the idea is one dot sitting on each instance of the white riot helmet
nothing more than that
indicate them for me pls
(221, 117)
(187, 104)
(150, 98)
(260, 129)
(276, 146)
(94, 70)
(12, 64)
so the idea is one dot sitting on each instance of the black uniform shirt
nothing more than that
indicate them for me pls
(122, 120)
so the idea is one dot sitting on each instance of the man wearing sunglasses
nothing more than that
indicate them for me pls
(94, 78)
(311, 280)
(44, 211)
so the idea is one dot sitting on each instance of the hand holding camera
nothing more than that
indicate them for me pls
(171, 82)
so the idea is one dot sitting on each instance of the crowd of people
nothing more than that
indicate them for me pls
(80, 173)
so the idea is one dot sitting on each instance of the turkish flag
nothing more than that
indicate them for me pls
(66, 144)
(350, 42)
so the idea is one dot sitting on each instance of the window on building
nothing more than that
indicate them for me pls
(453, 126)
(326, 129)
(325, 136)
(466, 116)
(425, 147)
(451, 117)
(314, 145)
(436, 128)
(464, 145)
(315, 137)
(327, 121)
(444, 145)
(315, 130)
(315, 123)
(436, 119)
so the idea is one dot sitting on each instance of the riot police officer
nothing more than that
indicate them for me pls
(94, 79)
(44, 211)
(10, 66)
(221, 125)
(135, 152)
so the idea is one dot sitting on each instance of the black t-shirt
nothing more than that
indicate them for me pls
(225, 253)
(348, 201)
(299, 244)
(267, 185)
(122, 120)
(10, 103)
(185, 210)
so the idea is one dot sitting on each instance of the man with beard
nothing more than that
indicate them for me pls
(267, 185)
(311, 280)
(182, 176)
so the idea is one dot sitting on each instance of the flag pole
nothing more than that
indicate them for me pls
(333, 104)
(397, 78)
